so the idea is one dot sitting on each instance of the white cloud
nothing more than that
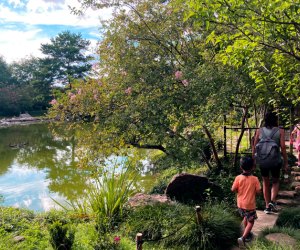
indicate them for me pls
(16, 3)
(19, 35)
(20, 44)
(53, 13)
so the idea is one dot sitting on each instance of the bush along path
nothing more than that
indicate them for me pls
(288, 201)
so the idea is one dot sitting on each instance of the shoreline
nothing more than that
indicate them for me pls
(23, 119)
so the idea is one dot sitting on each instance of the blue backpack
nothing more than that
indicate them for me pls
(267, 151)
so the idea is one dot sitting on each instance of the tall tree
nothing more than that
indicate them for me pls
(158, 86)
(262, 35)
(66, 57)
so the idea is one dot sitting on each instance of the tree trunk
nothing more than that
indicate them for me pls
(245, 111)
(213, 147)
(292, 120)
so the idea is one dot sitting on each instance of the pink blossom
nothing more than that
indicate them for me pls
(53, 102)
(117, 239)
(169, 12)
(70, 94)
(128, 91)
(72, 97)
(178, 74)
(96, 97)
(185, 83)
(79, 91)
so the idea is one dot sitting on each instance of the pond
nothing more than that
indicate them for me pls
(37, 166)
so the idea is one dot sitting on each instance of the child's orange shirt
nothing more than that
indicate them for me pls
(246, 187)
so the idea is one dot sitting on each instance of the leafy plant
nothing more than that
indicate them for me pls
(175, 226)
(61, 236)
(289, 218)
(107, 195)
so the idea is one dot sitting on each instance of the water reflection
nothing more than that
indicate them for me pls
(36, 165)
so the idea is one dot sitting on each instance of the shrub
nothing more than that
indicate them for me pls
(61, 236)
(175, 226)
(289, 218)
(107, 196)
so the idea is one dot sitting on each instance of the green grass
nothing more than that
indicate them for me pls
(261, 243)
(35, 230)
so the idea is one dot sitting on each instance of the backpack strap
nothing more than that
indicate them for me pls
(261, 131)
(274, 131)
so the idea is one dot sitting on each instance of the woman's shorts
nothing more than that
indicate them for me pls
(275, 172)
(250, 215)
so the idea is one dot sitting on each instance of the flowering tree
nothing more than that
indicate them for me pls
(158, 87)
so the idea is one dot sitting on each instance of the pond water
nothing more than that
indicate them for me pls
(36, 167)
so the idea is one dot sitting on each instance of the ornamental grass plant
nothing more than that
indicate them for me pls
(289, 218)
(107, 194)
(168, 226)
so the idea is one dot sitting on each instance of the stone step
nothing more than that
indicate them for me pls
(287, 194)
(295, 173)
(286, 202)
(263, 221)
(297, 178)
(295, 168)
(295, 184)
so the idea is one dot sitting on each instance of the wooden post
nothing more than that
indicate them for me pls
(225, 138)
(198, 215)
(139, 241)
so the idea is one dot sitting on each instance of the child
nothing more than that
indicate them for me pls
(247, 186)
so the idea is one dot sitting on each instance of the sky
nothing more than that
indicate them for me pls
(26, 24)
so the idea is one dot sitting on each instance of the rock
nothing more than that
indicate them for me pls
(286, 202)
(282, 239)
(295, 184)
(25, 115)
(148, 199)
(17, 239)
(297, 189)
(286, 194)
(188, 187)
(295, 173)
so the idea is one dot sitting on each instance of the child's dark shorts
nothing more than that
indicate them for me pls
(250, 215)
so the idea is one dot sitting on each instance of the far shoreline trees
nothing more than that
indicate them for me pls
(27, 85)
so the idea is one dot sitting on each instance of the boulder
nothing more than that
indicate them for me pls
(141, 199)
(189, 187)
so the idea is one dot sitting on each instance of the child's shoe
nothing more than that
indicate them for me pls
(249, 237)
(241, 243)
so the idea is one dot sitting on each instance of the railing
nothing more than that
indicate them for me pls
(231, 135)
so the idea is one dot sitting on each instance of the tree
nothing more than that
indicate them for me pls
(158, 85)
(66, 57)
(14, 99)
(262, 35)
(5, 74)
(34, 73)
